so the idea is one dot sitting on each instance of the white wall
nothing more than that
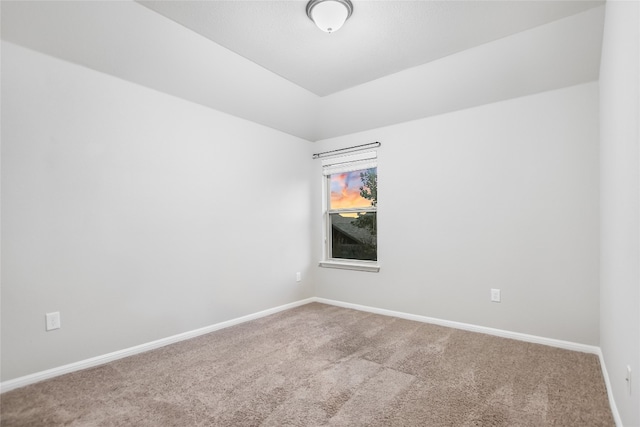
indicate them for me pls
(499, 196)
(136, 214)
(620, 206)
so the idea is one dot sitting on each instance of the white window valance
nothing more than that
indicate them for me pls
(349, 163)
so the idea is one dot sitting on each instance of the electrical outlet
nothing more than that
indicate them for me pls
(53, 321)
(495, 295)
(628, 379)
(298, 277)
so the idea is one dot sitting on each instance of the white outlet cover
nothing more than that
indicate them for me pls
(495, 295)
(52, 321)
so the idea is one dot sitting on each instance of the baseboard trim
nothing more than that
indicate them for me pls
(110, 357)
(567, 345)
(607, 382)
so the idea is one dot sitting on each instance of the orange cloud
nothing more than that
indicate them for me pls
(345, 191)
(348, 198)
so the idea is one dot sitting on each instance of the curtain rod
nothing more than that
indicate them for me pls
(354, 148)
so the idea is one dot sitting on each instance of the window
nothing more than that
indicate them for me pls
(351, 212)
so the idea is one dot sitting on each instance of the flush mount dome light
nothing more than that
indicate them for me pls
(329, 15)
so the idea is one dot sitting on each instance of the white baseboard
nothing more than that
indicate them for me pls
(607, 382)
(100, 360)
(567, 345)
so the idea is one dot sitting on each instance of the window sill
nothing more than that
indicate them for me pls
(358, 266)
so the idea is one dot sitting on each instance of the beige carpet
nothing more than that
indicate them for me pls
(321, 365)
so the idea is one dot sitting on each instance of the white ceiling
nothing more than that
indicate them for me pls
(380, 38)
(393, 61)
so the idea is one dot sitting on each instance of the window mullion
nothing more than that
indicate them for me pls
(352, 210)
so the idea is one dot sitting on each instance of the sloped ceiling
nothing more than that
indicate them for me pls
(381, 37)
(265, 61)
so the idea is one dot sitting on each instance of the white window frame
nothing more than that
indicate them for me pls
(331, 166)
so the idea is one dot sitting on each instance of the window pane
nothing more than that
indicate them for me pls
(357, 189)
(354, 236)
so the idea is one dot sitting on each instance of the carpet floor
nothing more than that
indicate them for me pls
(320, 365)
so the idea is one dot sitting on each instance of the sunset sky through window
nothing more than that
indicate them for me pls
(345, 191)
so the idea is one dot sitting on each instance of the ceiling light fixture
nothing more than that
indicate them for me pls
(329, 15)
